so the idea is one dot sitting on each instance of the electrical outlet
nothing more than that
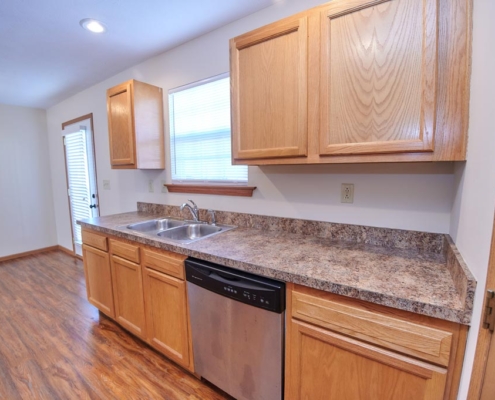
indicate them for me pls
(347, 193)
(151, 187)
(106, 185)
(164, 188)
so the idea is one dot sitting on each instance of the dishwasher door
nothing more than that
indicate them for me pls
(237, 347)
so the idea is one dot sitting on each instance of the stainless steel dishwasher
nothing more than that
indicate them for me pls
(237, 323)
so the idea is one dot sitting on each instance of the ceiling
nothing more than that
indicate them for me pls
(45, 55)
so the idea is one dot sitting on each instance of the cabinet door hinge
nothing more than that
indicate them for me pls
(489, 319)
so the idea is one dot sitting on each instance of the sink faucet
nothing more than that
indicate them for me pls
(193, 209)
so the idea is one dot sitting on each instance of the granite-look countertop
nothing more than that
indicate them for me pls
(407, 279)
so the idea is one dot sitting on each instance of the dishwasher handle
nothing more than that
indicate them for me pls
(236, 282)
(229, 277)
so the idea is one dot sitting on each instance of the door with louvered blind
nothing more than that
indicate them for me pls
(81, 177)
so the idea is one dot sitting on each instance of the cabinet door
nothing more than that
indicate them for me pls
(378, 76)
(128, 295)
(269, 91)
(98, 279)
(323, 365)
(167, 316)
(121, 125)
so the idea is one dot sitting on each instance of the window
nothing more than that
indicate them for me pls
(200, 139)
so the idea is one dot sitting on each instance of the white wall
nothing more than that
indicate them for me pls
(472, 215)
(26, 207)
(415, 197)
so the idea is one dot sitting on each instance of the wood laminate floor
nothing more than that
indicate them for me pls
(55, 345)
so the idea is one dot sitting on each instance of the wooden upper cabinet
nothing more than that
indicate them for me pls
(269, 91)
(135, 126)
(354, 81)
(121, 125)
(378, 76)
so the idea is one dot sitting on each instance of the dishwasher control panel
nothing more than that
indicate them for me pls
(247, 288)
(264, 298)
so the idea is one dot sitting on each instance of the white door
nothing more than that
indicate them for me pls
(81, 176)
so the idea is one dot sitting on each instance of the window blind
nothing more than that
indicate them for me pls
(77, 171)
(200, 139)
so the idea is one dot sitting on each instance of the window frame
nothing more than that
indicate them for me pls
(232, 188)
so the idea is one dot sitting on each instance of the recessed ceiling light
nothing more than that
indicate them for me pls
(92, 25)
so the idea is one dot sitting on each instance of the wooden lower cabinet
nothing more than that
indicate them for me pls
(347, 349)
(128, 295)
(167, 316)
(143, 290)
(326, 365)
(98, 279)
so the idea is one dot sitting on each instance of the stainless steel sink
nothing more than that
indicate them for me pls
(190, 232)
(155, 225)
(176, 230)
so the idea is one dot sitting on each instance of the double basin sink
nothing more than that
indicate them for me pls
(177, 230)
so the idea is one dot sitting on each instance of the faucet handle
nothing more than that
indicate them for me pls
(213, 219)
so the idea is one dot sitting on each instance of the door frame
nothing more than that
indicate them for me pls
(484, 336)
(64, 124)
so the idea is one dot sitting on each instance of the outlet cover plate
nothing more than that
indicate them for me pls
(347, 193)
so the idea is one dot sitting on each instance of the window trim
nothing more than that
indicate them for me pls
(225, 190)
(223, 75)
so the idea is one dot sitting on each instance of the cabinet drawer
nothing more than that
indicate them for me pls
(420, 341)
(164, 261)
(95, 240)
(125, 250)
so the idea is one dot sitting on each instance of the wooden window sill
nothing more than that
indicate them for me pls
(225, 190)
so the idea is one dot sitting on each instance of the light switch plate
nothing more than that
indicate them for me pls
(151, 186)
(106, 185)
